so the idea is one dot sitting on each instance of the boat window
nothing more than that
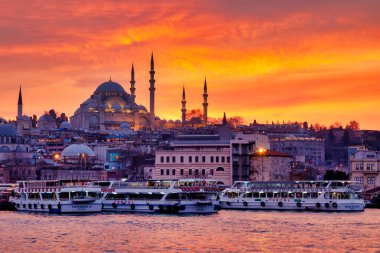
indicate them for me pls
(198, 196)
(34, 196)
(275, 195)
(298, 195)
(314, 195)
(172, 197)
(256, 195)
(262, 194)
(232, 194)
(48, 196)
(93, 194)
(306, 195)
(291, 194)
(64, 196)
(269, 194)
(117, 196)
(284, 194)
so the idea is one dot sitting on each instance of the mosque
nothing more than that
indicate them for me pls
(111, 108)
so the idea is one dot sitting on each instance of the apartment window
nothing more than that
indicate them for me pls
(167, 159)
(190, 172)
(357, 166)
(368, 166)
(203, 159)
(181, 158)
(197, 159)
(217, 159)
(212, 172)
(370, 180)
(196, 172)
(181, 172)
(173, 159)
(228, 159)
(167, 172)
(223, 159)
(372, 166)
(203, 172)
(162, 159)
(173, 172)
(190, 159)
(361, 166)
(211, 159)
(162, 172)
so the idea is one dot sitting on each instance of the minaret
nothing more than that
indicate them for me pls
(183, 106)
(19, 104)
(224, 122)
(205, 104)
(152, 89)
(133, 95)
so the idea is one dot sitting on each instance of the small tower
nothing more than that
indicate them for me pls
(133, 89)
(205, 104)
(224, 122)
(151, 90)
(183, 110)
(19, 104)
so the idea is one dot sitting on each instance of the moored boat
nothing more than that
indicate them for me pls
(297, 195)
(196, 196)
(57, 196)
(6, 191)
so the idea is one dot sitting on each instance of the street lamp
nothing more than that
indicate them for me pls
(262, 153)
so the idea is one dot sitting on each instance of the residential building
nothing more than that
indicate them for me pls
(269, 165)
(365, 168)
(241, 147)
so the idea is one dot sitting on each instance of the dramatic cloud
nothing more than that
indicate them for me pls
(268, 60)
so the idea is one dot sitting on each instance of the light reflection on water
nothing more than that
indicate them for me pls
(228, 231)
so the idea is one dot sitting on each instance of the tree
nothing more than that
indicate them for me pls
(353, 125)
(194, 113)
(336, 125)
(61, 119)
(335, 175)
(305, 125)
(53, 114)
(235, 121)
(34, 120)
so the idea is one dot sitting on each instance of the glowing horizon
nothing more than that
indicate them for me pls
(269, 61)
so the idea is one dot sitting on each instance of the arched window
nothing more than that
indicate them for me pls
(220, 169)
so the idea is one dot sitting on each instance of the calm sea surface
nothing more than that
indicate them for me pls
(228, 231)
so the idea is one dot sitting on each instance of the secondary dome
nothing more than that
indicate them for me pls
(46, 118)
(7, 130)
(109, 87)
(74, 150)
(65, 125)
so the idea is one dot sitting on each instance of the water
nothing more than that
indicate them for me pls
(228, 231)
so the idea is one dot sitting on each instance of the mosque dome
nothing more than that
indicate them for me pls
(77, 149)
(8, 131)
(109, 87)
(46, 118)
(65, 125)
(3, 121)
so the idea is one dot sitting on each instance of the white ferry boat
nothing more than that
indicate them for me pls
(182, 196)
(298, 195)
(57, 196)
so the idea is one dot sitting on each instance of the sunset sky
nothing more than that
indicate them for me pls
(316, 61)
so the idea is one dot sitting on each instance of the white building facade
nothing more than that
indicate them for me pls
(194, 159)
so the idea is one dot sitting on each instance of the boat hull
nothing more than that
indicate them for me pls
(328, 206)
(163, 208)
(58, 207)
